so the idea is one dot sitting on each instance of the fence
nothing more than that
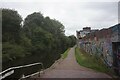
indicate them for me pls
(4, 74)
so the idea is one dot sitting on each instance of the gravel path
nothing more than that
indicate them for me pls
(69, 68)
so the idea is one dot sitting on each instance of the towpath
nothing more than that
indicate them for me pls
(69, 68)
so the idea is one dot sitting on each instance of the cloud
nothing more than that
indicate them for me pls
(74, 15)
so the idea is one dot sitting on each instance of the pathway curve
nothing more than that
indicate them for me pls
(69, 68)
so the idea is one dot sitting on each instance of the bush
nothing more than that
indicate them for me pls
(12, 51)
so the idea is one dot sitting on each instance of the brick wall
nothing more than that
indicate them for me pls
(99, 43)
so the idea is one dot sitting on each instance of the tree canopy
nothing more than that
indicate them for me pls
(39, 36)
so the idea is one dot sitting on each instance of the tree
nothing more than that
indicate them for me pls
(11, 25)
(41, 39)
(73, 40)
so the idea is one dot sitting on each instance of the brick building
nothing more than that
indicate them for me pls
(104, 43)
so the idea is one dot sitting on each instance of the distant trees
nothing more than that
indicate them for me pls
(39, 36)
(72, 39)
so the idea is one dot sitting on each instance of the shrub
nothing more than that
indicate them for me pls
(12, 51)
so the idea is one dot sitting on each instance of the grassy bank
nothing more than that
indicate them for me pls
(89, 61)
(64, 55)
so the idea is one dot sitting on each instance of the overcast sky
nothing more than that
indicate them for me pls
(74, 14)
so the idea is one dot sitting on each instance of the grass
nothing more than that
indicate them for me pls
(64, 55)
(89, 61)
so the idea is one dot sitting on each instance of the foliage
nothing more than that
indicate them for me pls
(64, 55)
(40, 38)
(12, 51)
(11, 25)
(72, 40)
